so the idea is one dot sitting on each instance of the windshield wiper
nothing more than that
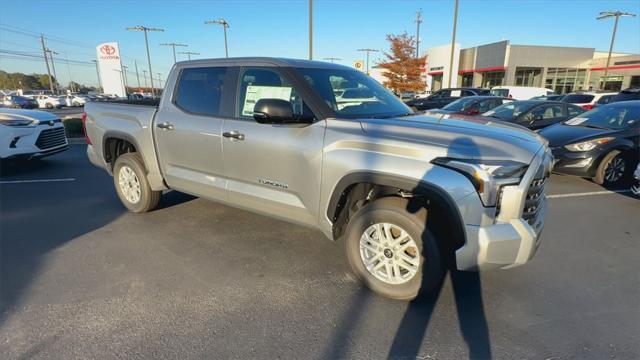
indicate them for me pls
(596, 127)
(391, 116)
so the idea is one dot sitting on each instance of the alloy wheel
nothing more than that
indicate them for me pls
(129, 184)
(615, 170)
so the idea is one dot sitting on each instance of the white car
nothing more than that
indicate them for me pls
(47, 101)
(587, 100)
(30, 134)
(73, 100)
(519, 92)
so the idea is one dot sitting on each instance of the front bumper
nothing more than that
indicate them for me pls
(28, 143)
(583, 163)
(514, 237)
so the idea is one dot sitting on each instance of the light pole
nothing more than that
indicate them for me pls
(146, 42)
(53, 68)
(144, 76)
(617, 15)
(98, 74)
(135, 63)
(310, 29)
(124, 76)
(367, 50)
(225, 25)
(418, 22)
(173, 46)
(189, 53)
(332, 59)
(453, 42)
(160, 79)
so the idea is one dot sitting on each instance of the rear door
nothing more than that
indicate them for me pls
(188, 132)
(273, 168)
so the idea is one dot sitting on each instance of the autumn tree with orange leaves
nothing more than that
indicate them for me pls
(402, 68)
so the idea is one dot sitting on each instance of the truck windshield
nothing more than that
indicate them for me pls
(352, 94)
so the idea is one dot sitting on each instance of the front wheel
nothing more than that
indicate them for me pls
(391, 250)
(130, 180)
(613, 169)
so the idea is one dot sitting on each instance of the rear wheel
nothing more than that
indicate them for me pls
(613, 169)
(48, 106)
(130, 180)
(392, 251)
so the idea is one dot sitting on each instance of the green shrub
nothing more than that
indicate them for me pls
(73, 127)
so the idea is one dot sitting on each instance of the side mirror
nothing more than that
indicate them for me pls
(273, 111)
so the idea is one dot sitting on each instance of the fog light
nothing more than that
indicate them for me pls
(12, 145)
(580, 164)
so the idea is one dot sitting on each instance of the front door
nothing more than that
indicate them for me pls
(274, 169)
(188, 132)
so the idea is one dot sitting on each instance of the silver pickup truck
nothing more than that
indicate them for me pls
(410, 195)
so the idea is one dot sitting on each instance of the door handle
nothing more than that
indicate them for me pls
(165, 125)
(233, 135)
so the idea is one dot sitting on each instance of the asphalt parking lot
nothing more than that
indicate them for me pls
(82, 278)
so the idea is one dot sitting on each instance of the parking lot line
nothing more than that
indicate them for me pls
(556, 196)
(35, 181)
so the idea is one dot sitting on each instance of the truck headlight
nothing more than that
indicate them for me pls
(16, 122)
(587, 145)
(487, 176)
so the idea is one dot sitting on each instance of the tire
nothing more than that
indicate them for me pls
(129, 168)
(603, 172)
(393, 211)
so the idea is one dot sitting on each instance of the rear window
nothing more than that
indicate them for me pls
(626, 96)
(200, 90)
(604, 99)
(577, 98)
(500, 92)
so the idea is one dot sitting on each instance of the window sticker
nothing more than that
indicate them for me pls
(576, 121)
(456, 93)
(255, 93)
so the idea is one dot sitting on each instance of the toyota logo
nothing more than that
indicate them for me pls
(107, 49)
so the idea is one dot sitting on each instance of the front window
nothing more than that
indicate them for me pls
(511, 110)
(608, 117)
(352, 94)
(500, 92)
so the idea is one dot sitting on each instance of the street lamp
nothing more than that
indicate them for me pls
(225, 25)
(453, 42)
(367, 50)
(332, 59)
(617, 15)
(173, 46)
(146, 42)
(189, 53)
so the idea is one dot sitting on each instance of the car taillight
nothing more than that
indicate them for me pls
(84, 129)
(588, 106)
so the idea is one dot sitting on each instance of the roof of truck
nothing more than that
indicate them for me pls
(257, 60)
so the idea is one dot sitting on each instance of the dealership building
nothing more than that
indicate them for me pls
(562, 69)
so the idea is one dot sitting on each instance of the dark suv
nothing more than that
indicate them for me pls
(443, 97)
(627, 95)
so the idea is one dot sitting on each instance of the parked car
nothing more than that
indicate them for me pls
(47, 101)
(602, 144)
(627, 95)
(586, 100)
(74, 100)
(276, 142)
(19, 102)
(635, 188)
(553, 97)
(534, 114)
(30, 134)
(604, 100)
(444, 97)
(519, 92)
(471, 105)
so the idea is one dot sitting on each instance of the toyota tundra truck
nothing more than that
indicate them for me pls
(409, 195)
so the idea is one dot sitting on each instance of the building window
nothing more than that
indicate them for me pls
(466, 80)
(566, 80)
(492, 78)
(436, 82)
(528, 77)
(635, 81)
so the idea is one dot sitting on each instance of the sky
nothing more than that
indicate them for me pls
(280, 28)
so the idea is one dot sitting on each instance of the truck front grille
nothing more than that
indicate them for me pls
(51, 138)
(535, 193)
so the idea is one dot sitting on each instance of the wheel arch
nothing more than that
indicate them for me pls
(352, 187)
(116, 143)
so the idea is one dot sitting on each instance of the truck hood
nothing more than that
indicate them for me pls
(462, 136)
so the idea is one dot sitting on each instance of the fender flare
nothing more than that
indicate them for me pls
(116, 134)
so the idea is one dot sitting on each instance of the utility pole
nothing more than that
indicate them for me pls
(189, 53)
(453, 42)
(98, 73)
(332, 59)
(146, 42)
(617, 15)
(53, 67)
(367, 50)
(160, 79)
(173, 45)
(135, 63)
(71, 85)
(44, 52)
(225, 26)
(418, 22)
(124, 77)
(310, 29)
(144, 76)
